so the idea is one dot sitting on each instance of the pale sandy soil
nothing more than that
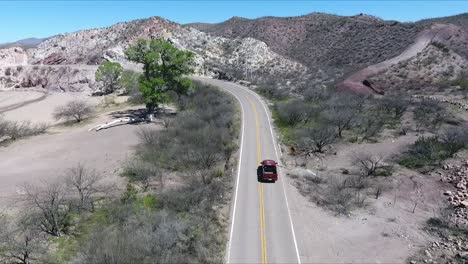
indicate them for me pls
(46, 157)
(40, 111)
(10, 100)
(385, 232)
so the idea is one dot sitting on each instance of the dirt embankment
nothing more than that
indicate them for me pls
(358, 82)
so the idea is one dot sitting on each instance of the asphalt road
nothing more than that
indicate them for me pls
(261, 229)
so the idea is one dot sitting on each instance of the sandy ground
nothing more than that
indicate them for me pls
(47, 156)
(8, 98)
(40, 111)
(385, 232)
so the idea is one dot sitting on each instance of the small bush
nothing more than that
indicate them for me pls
(76, 110)
(338, 193)
(430, 114)
(429, 151)
(293, 112)
(15, 130)
(369, 163)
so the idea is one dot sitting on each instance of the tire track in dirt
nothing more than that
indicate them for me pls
(18, 105)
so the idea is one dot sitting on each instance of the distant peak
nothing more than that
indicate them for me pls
(236, 18)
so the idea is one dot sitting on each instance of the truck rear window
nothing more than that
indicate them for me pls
(269, 169)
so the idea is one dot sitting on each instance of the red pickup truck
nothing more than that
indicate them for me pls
(267, 171)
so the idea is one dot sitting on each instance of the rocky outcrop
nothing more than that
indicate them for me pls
(73, 78)
(457, 176)
(13, 56)
(70, 56)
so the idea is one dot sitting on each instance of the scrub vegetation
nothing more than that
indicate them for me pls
(179, 179)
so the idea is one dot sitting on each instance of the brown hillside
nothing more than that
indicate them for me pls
(320, 40)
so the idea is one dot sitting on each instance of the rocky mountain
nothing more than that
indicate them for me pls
(323, 40)
(335, 47)
(361, 53)
(77, 52)
(23, 43)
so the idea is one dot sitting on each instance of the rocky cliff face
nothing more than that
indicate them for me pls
(67, 62)
(309, 50)
(335, 48)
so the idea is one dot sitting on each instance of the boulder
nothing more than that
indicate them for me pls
(464, 204)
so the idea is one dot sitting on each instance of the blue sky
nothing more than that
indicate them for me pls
(33, 18)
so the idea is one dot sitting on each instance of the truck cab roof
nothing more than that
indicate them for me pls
(269, 163)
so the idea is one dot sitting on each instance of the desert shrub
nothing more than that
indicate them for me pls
(338, 193)
(425, 151)
(76, 110)
(461, 81)
(21, 241)
(395, 105)
(200, 135)
(369, 163)
(440, 46)
(430, 114)
(429, 151)
(293, 112)
(454, 139)
(143, 172)
(15, 130)
(84, 186)
(273, 91)
(316, 94)
(314, 139)
(342, 110)
(370, 123)
(161, 236)
(49, 206)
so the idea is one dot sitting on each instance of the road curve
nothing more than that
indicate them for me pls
(261, 229)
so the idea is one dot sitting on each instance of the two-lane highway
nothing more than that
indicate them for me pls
(261, 229)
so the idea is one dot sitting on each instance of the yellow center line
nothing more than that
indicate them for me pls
(260, 187)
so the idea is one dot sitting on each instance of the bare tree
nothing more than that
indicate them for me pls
(370, 124)
(396, 105)
(73, 110)
(50, 207)
(20, 242)
(430, 114)
(310, 140)
(85, 183)
(342, 111)
(454, 139)
(292, 112)
(143, 173)
(368, 162)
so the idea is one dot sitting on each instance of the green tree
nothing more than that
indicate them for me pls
(109, 74)
(130, 81)
(164, 69)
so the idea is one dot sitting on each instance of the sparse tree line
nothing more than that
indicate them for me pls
(50, 209)
(80, 219)
(201, 136)
(13, 130)
(321, 118)
(312, 123)
(153, 222)
(149, 222)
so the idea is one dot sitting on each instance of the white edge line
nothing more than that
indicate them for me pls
(233, 217)
(282, 182)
